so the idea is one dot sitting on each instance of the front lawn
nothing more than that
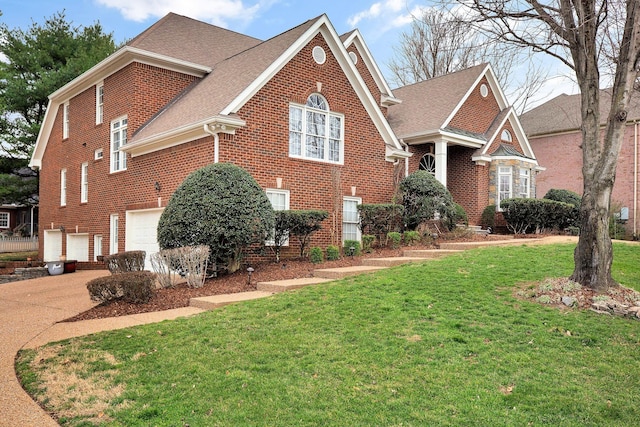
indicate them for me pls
(443, 343)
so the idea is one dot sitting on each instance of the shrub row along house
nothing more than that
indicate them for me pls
(307, 113)
(554, 131)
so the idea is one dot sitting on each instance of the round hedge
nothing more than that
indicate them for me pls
(422, 196)
(221, 206)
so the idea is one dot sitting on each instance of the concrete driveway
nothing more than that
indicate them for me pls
(28, 308)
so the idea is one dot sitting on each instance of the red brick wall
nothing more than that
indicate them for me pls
(261, 148)
(477, 113)
(562, 157)
(127, 92)
(467, 182)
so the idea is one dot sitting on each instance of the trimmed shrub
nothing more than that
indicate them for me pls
(565, 196)
(411, 237)
(348, 244)
(395, 238)
(569, 197)
(367, 243)
(124, 262)
(220, 206)
(424, 197)
(333, 253)
(460, 216)
(315, 255)
(380, 219)
(304, 223)
(488, 216)
(536, 215)
(133, 287)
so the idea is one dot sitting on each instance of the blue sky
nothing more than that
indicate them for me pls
(380, 22)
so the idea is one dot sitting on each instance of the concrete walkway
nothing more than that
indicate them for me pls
(31, 309)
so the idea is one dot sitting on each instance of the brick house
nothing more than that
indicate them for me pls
(461, 127)
(553, 129)
(305, 113)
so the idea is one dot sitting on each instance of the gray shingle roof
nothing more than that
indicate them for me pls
(190, 40)
(228, 79)
(427, 105)
(562, 113)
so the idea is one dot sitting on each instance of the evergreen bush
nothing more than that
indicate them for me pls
(315, 255)
(333, 253)
(348, 244)
(395, 238)
(220, 206)
(133, 287)
(423, 196)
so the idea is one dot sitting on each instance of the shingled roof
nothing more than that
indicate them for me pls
(562, 114)
(418, 112)
(216, 90)
(184, 38)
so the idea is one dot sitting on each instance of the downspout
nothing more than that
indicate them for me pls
(216, 142)
(405, 147)
(635, 180)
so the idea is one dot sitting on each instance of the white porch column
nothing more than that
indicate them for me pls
(441, 162)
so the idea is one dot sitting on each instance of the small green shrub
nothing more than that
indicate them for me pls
(315, 255)
(367, 243)
(459, 216)
(333, 253)
(411, 237)
(395, 238)
(488, 216)
(124, 262)
(348, 244)
(380, 219)
(133, 287)
(303, 223)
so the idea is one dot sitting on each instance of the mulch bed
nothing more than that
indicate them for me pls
(179, 296)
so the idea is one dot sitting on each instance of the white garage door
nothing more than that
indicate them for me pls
(78, 247)
(141, 232)
(52, 245)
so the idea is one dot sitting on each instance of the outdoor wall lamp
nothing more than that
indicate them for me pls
(250, 271)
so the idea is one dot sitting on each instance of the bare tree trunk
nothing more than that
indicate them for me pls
(593, 255)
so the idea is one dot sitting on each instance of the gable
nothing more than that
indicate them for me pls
(478, 111)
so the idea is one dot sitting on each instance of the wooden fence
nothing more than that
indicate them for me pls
(18, 244)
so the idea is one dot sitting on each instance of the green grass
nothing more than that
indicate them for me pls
(444, 343)
(18, 256)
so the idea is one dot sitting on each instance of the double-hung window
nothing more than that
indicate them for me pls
(504, 184)
(118, 139)
(4, 219)
(84, 183)
(99, 103)
(65, 120)
(315, 132)
(280, 202)
(63, 187)
(524, 183)
(350, 218)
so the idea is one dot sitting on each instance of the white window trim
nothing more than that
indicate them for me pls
(7, 215)
(287, 197)
(97, 246)
(63, 187)
(525, 174)
(98, 154)
(65, 120)
(303, 133)
(358, 201)
(504, 171)
(84, 183)
(99, 103)
(113, 233)
(121, 156)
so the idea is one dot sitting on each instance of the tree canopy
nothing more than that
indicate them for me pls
(36, 62)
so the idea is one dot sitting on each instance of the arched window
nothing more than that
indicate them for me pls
(506, 136)
(315, 132)
(428, 163)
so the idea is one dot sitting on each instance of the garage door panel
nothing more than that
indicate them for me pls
(78, 247)
(141, 232)
(52, 245)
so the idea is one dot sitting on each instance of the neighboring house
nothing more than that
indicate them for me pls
(305, 113)
(18, 220)
(553, 129)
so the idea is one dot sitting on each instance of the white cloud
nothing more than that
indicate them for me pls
(218, 12)
(387, 9)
